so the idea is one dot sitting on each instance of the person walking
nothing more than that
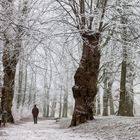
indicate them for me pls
(35, 112)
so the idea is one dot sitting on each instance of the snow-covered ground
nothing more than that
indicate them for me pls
(44, 130)
(111, 128)
(103, 128)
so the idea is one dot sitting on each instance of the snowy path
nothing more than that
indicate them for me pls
(44, 130)
(103, 128)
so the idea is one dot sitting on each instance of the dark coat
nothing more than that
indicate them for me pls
(35, 111)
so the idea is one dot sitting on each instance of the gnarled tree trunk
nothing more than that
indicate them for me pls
(85, 87)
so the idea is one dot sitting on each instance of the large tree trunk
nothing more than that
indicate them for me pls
(85, 87)
(126, 102)
(126, 86)
(121, 111)
(129, 104)
(129, 86)
(9, 69)
(11, 51)
(126, 91)
(9, 59)
(122, 102)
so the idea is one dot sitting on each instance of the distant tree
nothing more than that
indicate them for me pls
(53, 107)
(20, 84)
(107, 96)
(127, 66)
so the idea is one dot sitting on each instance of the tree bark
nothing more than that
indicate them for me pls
(9, 59)
(121, 111)
(126, 103)
(85, 87)
(129, 87)
(12, 49)
(9, 69)
(126, 93)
